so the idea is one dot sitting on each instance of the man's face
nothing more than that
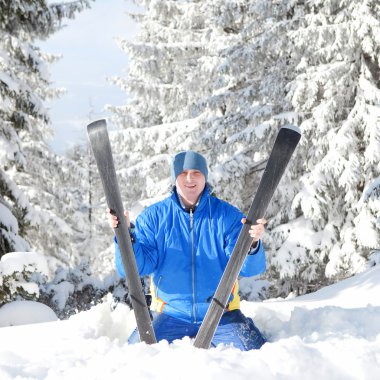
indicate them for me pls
(190, 184)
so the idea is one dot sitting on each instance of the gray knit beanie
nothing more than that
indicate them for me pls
(188, 160)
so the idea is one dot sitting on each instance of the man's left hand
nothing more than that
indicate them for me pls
(257, 230)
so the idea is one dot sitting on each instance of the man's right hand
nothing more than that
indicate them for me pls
(113, 220)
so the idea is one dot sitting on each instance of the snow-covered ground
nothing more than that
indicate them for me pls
(331, 334)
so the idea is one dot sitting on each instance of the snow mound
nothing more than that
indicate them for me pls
(18, 313)
(19, 261)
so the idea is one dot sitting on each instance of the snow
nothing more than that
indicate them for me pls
(292, 127)
(10, 222)
(333, 334)
(25, 312)
(19, 261)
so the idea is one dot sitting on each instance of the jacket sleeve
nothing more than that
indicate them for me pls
(255, 263)
(145, 247)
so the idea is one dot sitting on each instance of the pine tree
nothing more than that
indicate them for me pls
(86, 212)
(163, 76)
(336, 94)
(26, 161)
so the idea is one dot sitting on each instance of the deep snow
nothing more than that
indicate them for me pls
(331, 334)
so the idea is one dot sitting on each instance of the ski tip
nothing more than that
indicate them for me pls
(292, 127)
(95, 125)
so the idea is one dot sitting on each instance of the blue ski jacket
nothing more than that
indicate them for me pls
(186, 252)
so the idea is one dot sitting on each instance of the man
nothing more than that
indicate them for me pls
(184, 243)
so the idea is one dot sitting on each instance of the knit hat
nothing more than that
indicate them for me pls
(188, 160)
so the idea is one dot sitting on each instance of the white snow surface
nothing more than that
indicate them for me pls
(18, 261)
(331, 334)
(25, 312)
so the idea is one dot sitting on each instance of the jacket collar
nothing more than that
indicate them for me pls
(200, 204)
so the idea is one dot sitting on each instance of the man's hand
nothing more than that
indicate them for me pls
(257, 230)
(112, 218)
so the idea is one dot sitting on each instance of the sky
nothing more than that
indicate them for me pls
(89, 55)
(331, 334)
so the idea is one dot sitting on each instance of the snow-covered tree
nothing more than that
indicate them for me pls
(164, 79)
(89, 238)
(29, 197)
(336, 93)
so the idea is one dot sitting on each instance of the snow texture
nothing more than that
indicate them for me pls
(333, 334)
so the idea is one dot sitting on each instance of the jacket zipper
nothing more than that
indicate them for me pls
(193, 261)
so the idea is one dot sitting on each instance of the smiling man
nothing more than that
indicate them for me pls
(184, 242)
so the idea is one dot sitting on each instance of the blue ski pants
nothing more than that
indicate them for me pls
(234, 328)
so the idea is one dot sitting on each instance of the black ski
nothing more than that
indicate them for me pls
(101, 148)
(284, 146)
